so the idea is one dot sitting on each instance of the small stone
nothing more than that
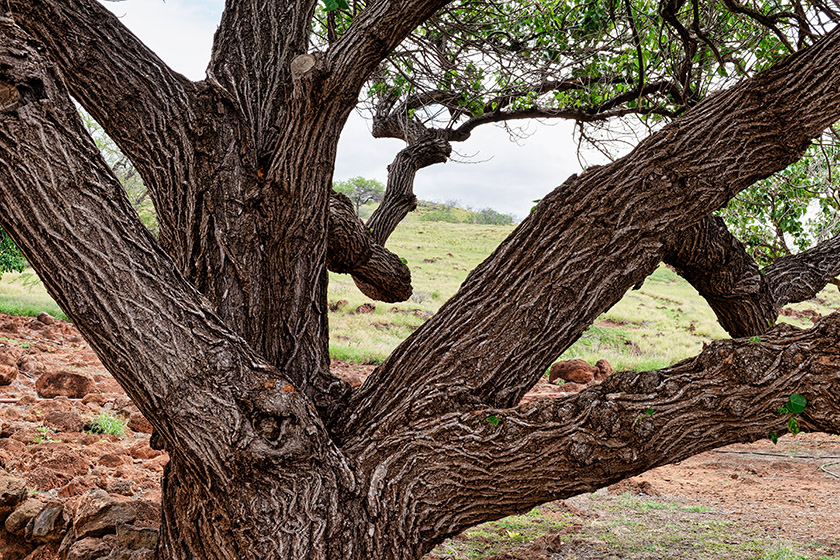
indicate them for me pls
(45, 318)
(63, 383)
(7, 374)
(576, 371)
(366, 308)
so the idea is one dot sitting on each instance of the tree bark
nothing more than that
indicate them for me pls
(399, 193)
(266, 461)
(747, 300)
(592, 239)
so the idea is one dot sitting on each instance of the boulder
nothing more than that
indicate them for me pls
(91, 548)
(12, 492)
(98, 513)
(604, 369)
(138, 423)
(576, 371)
(18, 520)
(63, 383)
(65, 421)
(45, 318)
(48, 526)
(131, 537)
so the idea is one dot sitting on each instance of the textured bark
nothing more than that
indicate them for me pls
(592, 239)
(399, 194)
(745, 299)
(451, 463)
(232, 375)
(379, 273)
(235, 427)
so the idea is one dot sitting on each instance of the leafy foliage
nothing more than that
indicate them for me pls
(10, 258)
(361, 191)
(793, 209)
(106, 423)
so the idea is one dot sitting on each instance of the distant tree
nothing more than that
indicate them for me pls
(10, 258)
(361, 191)
(492, 217)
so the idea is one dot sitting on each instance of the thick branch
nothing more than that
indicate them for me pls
(745, 299)
(205, 391)
(399, 197)
(259, 58)
(139, 101)
(378, 273)
(374, 33)
(593, 238)
(712, 260)
(557, 448)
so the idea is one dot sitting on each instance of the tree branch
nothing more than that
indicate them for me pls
(260, 60)
(374, 33)
(207, 394)
(746, 300)
(593, 238)
(556, 448)
(140, 102)
(378, 273)
(399, 194)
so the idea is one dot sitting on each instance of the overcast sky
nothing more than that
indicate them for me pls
(500, 174)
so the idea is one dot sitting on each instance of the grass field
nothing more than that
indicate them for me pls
(663, 322)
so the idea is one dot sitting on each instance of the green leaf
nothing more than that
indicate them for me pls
(495, 420)
(755, 339)
(793, 426)
(783, 410)
(649, 411)
(404, 260)
(796, 404)
(774, 437)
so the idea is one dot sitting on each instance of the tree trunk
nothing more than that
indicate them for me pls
(267, 461)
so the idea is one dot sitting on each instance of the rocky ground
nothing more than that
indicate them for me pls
(68, 493)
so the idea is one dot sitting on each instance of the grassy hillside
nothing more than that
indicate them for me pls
(663, 322)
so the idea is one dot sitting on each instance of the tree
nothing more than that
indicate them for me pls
(361, 191)
(217, 328)
(10, 258)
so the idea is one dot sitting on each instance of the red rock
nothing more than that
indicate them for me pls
(604, 369)
(45, 318)
(68, 421)
(157, 463)
(576, 371)
(141, 450)
(31, 364)
(12, 492)
(7, 374)
(366, 308)
(98, 513)
(17, 521)
(138, 423)
(91, 548)
(112, 460)
(63, 383)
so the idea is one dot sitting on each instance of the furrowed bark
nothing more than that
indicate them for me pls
(712, 260)
(592, 239)
(399, 194)
(379, 273)
(745, 299)
(142, 104)
(241, 437)
(449, 466)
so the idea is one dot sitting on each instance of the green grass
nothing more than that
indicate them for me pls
(23, 294)
(106, 423)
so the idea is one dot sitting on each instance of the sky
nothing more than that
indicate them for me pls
(488, 170)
